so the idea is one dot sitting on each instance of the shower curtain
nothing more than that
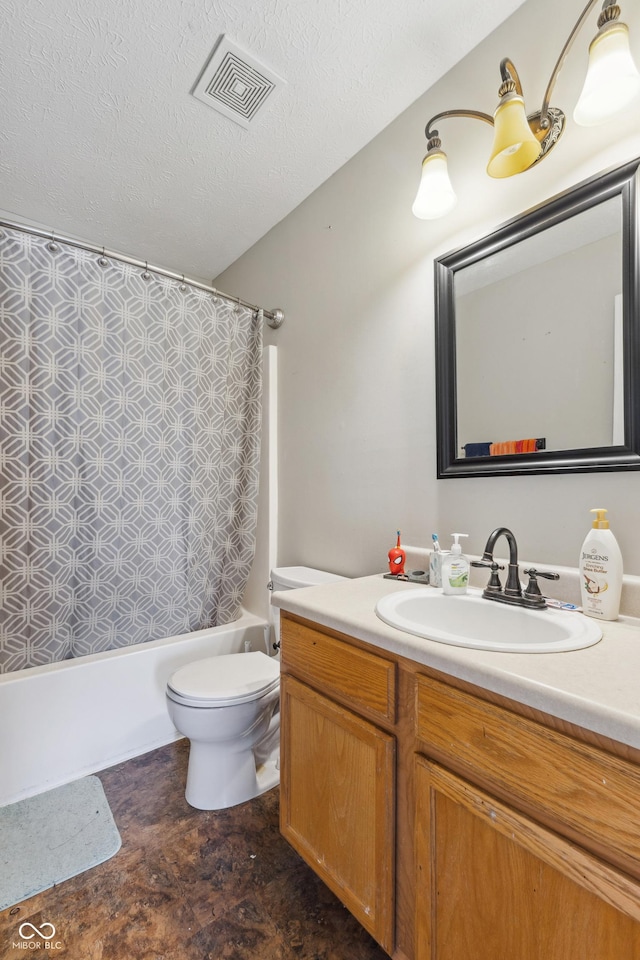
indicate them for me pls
(130, 413)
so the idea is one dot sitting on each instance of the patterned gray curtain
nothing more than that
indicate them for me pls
(130, 416)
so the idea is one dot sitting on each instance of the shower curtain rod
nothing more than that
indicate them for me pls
(274, 318)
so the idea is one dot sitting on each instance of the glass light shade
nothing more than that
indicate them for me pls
(612, 80)
(435, 196)
(515, 147)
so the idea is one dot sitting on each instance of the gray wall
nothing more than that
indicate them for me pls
(354, 271)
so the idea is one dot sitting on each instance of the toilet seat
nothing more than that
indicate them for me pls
(225, 680)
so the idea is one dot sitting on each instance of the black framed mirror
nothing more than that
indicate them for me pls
(537, 332)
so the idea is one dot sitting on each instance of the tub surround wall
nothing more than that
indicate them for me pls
(354, 269)
(256, 595)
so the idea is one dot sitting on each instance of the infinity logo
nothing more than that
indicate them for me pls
(36, 932)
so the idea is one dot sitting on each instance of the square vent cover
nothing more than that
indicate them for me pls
(235, 84)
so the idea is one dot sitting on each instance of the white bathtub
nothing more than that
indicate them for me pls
(65, 720)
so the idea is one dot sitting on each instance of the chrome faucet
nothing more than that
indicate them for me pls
(512, 592)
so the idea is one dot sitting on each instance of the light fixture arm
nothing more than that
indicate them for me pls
(509, 74)
(472, 114)
(544, 112)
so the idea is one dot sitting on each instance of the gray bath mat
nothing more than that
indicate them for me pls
(52, 837)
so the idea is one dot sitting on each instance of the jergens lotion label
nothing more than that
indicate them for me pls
(600, 570)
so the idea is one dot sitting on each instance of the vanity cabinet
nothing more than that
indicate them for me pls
(453, 822)
(493, 881)
(337, 774)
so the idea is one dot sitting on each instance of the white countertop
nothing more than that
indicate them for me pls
(597, 688)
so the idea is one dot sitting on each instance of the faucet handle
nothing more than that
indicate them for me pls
(532, 595)
(494, 586)
(533, 573)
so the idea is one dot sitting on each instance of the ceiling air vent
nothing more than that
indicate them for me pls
(235, 84)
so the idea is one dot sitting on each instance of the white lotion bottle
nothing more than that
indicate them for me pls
(600, 570)
(455, 568)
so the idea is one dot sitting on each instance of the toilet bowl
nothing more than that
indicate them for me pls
(226, 707)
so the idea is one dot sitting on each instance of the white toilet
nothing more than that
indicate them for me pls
(224, 706)
(228, 708)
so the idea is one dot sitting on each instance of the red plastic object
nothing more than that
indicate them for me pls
(397, 559)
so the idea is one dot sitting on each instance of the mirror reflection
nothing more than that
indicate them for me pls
(538, 345)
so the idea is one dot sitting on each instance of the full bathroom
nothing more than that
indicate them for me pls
(237, 368)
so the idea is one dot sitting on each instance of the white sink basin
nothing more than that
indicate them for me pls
(468, 620)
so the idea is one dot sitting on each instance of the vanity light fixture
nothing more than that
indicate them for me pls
(521, 140)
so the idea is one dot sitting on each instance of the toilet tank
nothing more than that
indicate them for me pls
(291, 578)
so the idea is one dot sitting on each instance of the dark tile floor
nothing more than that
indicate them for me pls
(190, 885)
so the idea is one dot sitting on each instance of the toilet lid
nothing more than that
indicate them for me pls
(230, 678)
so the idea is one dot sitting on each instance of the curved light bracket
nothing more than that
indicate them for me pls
(473, 114)
(509, 76)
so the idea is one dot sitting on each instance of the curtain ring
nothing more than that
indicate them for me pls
(236, 308)
(183, 285)
(52, 245)
(103, 260)
(215, 297)
(146, 275)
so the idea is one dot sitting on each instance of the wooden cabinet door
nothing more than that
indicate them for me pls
(337, 802)
(492, 884)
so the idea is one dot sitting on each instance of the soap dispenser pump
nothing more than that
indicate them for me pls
(455, 568)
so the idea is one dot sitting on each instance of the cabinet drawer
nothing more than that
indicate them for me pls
(363, 679)
(580, 790)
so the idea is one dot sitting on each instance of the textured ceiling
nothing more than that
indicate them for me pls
(101, 139)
